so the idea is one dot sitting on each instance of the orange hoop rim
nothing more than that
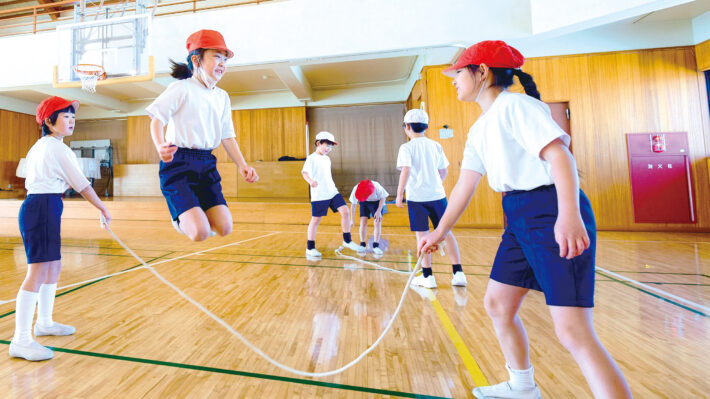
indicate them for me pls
(84, 70)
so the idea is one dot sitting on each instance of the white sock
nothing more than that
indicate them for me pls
(24, 313)
(521, 380)
(45, 304)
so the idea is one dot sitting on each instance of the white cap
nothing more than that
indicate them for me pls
(416, 116)
(326, 136)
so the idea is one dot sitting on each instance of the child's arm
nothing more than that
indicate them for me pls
(443, 173)
(90, 195)
(378, 213)
(458, 201)
(310, 181)
(232, 148)
(165, 150)
(403, 176)
(570, 233)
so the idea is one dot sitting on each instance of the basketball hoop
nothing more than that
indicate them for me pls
(89, 75)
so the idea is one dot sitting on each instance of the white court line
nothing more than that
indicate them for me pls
(151, 264)
(656, 290)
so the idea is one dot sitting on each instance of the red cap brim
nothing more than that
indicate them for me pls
(76, 105)
(65, 104)
(451, 71)
(230, 53)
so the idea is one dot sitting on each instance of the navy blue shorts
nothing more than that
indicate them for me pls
(40, 225)
(320, 208)
(529, 256)
(368, 208)
(191, 180)
(421, 212)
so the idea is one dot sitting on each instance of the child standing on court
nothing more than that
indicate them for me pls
(371, 196)
(423, 167)
(51, 169)
(549, 242)
(199, 119)
(324, 194)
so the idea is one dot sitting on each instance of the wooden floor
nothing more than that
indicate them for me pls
(137, 338)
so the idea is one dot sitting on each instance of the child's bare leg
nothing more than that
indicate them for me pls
(220, 219)
(194, 223)
(312, 227)
(363, 229)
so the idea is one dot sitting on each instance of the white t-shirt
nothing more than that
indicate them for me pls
(52, 168)
(506, 142)
(425, 158)
(197, 117)
(318, 168)
(376, 195)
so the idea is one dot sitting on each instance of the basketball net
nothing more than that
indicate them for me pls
(90, 74)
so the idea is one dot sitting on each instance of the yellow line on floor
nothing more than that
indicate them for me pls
(469, 362)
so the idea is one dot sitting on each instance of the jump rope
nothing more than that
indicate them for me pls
(412, 273)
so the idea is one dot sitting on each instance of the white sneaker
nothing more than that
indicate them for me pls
(426, 282)
(55, 329)
(361, 250)
(377, 251)
(176, 225)
(33, 352)
(459, 279)
(312, 253)
(503, 390)
(351, 245)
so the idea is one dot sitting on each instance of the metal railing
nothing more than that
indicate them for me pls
(30, 19)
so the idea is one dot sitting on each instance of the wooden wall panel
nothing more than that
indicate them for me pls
(141, 180)
(139, 144)
(609, 95)
(268, 134)
(415, 97)
(702, 55)
(262, 134)
(18, 132)
(136, 180)
(276, 180)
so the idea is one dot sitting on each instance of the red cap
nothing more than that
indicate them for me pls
(494, 53)
(364, 189)
(51, 104)
(207, 39)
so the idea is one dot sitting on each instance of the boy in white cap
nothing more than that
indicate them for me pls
(423, 167)
(324, 194)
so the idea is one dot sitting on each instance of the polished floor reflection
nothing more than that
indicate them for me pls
(137, 338)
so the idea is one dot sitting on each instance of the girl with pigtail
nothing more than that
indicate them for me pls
(550, 240)
(199, 118)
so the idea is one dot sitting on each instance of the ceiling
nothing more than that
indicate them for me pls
(301, 81)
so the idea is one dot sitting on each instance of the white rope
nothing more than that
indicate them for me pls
(256, 349)
(339, 253)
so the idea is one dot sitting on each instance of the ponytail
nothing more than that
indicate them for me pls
(503, 77)
(528, 84)
(183, 71)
